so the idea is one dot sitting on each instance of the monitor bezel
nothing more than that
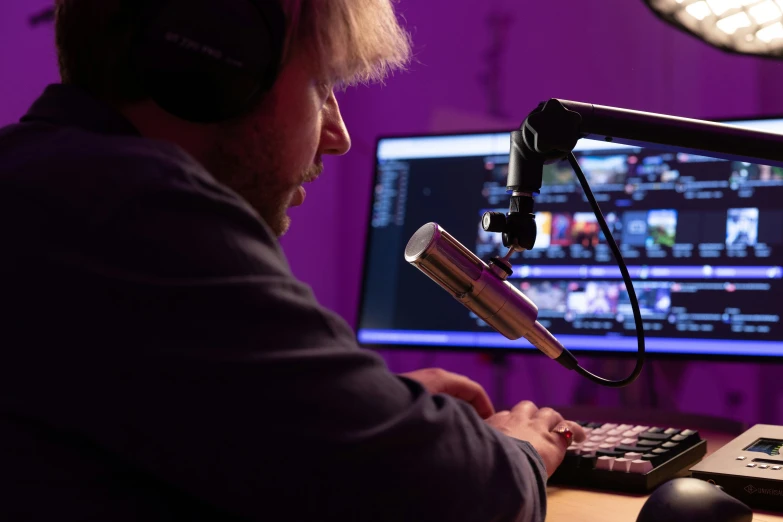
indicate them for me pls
(526, 351)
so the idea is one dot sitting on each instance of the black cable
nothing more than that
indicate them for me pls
(637, 313)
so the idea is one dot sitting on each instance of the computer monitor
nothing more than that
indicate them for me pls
(702, 238)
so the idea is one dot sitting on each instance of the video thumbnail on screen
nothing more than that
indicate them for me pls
(594, 297)
(742, 227)
(604, 170)
(579, 299)
(585, 230)
(742, 172)
(661, 227)
(649, 227)
(548, 296)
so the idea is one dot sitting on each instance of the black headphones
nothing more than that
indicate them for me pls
(207, 61)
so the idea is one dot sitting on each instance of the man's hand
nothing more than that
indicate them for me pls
(526, 422)
(436, 380)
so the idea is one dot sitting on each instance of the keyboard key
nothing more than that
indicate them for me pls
(604, 462)
(655, 430)
(633, 456)
(751, 465)
(632, 449)
(609, 426)
(629, 441)
(648, 443)
(641, 466)
(624, 427)
(587, 461)
(688, 433)
(612, 440)
(640, 429)
(594, 424)
(678, 438)
(599, 431)
(630, 434)
(570, 461)
(614, 433)
(660, 451)
(656, 459)
(649, 435)
(741, 458)
(596, 438)
(671, 431)
(776, 468)
(607, 453)
(669, 445)
(764, 466)
(622, 464)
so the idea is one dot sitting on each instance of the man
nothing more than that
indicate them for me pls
(159, 360)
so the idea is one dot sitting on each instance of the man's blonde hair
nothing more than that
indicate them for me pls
(350, 41)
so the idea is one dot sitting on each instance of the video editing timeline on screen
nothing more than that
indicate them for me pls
(703, 239)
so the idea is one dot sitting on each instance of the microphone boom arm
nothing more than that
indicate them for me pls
(551, 131)
(549, 134)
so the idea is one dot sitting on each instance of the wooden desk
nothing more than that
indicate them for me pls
(581, 505)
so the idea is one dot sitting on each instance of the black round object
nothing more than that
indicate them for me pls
(208, 60)
(493, 222)
(498, 262)
(693, 500)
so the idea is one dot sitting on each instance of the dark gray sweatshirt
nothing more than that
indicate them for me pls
(159, 361)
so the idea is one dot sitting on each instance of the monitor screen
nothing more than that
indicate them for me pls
(702, 239)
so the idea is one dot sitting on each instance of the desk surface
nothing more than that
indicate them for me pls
(579, 505)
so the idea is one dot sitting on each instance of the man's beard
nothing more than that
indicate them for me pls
(250, 163)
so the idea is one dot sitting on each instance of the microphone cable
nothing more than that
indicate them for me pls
(637, 314)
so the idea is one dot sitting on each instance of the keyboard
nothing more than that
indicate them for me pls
(629, 458)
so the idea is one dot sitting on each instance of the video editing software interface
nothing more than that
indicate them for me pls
(702, 238)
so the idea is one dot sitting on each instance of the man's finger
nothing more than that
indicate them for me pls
(568, 432)
(577, 430)
(549, 417)
(525, 409)
(471, 392)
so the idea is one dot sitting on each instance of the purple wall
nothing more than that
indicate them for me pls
(28, 60)
(612, 53)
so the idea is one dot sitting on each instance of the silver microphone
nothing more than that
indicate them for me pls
(482, 289)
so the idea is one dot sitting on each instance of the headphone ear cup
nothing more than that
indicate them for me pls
(208, 60)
